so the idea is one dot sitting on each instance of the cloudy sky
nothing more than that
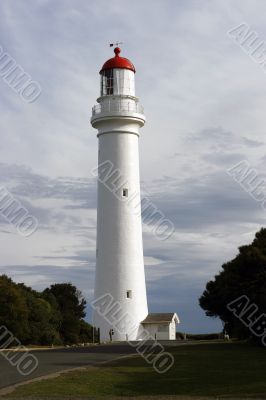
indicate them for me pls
(204, 100)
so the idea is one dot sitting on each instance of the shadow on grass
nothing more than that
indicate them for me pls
(218, 369)
(225, 369)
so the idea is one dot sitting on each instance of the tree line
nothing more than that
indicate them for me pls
(51, 317)
(237, 295)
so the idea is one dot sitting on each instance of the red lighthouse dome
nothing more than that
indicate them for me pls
(118, 62)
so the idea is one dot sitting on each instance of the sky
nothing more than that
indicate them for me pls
(204, 101)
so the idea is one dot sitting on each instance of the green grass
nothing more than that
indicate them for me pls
(220, 369)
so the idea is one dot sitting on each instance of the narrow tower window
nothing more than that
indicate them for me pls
(129, 294)
(125, 192)
(107, 82)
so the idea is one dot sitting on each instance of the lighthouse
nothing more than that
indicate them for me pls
(118, 117)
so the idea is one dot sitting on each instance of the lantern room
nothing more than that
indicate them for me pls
(117, 76)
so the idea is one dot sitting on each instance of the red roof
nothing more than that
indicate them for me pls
(118, 62)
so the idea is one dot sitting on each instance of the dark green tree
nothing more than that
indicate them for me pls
(42, 326)
(85, 333)
(13, 309)
(71, 305)
(54, 316)
(245, 275)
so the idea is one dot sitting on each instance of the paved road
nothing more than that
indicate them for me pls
(51, 361)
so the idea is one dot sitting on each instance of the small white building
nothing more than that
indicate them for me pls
(161, 326)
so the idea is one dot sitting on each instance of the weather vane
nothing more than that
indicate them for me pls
(115, 44)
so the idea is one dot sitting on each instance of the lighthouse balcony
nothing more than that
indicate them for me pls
(121, 111)
(117, 107)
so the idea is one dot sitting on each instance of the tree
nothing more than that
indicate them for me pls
(86, 332)
(245, 275)
(43, 328)
(72, 309)
(13, 309)
(54, 316)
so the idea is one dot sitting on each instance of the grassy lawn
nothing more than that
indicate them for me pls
(221, 369)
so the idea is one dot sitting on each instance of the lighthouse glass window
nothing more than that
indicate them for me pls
(107, 82)
(129, 294)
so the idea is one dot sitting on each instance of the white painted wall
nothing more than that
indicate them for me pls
(119, 259)
(155, 330)
(172, 330)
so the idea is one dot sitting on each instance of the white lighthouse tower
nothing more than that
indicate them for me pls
(119, 254)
